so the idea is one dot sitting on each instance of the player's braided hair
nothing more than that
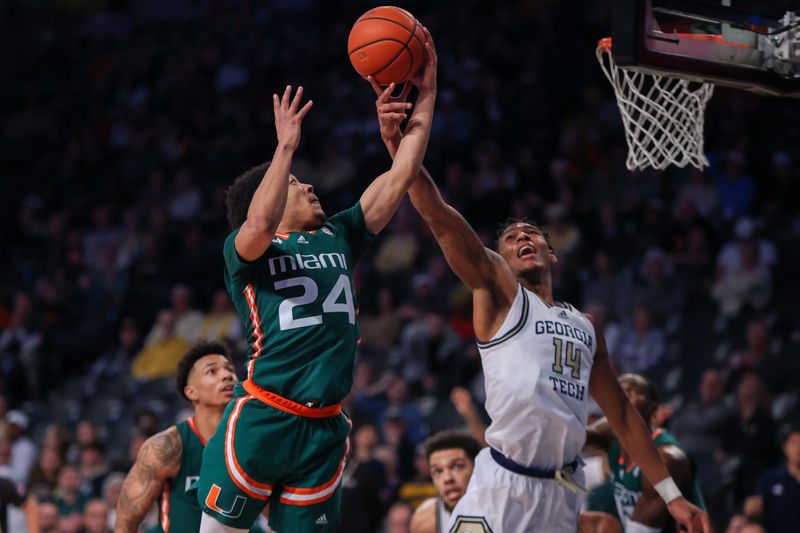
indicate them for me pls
(449, 439)
(196, 352)
(511, 221)
(240, 193)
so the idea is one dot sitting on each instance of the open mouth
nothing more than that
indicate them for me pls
(526, 251)
(452, 494)
(228, 389)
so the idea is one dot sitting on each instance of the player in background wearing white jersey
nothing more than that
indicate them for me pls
(538, 358)
(451, 457)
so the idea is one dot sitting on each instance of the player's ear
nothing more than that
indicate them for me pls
(190, 393)
(553, 257)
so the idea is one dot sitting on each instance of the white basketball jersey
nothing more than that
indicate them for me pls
(536, 370)
(442, 516)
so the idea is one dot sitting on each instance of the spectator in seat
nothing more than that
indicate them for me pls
(699, 424)
(606, 286)
(640, 345)
(363, 493)
(94, 468)
(159, 359)
(68, 496)
(747, 283)
(398, 519)
(776, 500)
(23, 451)
(657, 288)
(95, 517)
(221, 323)
(187, 320)
(48, 517)
(748, 435)
(44, 476)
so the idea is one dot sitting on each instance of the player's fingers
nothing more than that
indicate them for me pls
(304, 109)
(394, 107)
(285, 98)
(296, 100)
(428, 37)
(432, 59)
(375, 86)
(406, 90)
(276, 104)
(395, 116)
(386, 94)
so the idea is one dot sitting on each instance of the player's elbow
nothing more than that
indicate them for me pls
(260, 225)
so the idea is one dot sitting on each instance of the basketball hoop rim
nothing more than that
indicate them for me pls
(605, 44)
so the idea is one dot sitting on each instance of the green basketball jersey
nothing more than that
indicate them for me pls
(627, 478)
(299, 308)
(178, 512)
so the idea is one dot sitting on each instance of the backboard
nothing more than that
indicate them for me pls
(748, 44)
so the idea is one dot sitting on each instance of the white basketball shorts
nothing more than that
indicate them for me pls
(500, 501)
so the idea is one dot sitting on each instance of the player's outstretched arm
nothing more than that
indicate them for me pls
(382, 198)
(159, 460)
(479, 268)
(269, 201)
(634, 435)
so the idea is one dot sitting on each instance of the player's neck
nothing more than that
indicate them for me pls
(291, 224)
(207, 418)
(542, 287)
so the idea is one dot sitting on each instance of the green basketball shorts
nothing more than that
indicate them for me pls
(268, 449)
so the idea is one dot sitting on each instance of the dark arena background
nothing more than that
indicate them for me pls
(123, 122)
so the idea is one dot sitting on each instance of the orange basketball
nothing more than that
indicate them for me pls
(388, 44)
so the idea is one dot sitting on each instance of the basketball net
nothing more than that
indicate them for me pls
(663, 115)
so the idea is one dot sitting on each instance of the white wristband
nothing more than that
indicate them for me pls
(668, 490)
(636, 527)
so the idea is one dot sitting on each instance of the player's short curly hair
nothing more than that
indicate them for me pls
(449, 439)
(196, 352)
(240, 193)
(650, 386)
(511, 221)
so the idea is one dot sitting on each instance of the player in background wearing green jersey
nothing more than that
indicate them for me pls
(169, 462)
(636, 506)
(289, 271)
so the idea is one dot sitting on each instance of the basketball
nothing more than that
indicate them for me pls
(388, 44)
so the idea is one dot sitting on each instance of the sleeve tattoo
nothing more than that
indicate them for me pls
(159, 459)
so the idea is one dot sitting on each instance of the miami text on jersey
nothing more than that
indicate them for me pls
(289, 263)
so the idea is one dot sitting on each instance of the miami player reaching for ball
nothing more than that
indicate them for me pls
(541, 361)
(289, 271)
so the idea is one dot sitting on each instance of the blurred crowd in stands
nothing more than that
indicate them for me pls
(126, 120)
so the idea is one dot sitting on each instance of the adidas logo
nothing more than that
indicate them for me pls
(562, 314)
(322, 520)
(302, 240)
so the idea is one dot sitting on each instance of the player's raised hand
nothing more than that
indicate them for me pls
(425, 79)
(694, 519)
(462, 401)
(391, 109)
(288, 117)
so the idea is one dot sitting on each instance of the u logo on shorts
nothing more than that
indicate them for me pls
(236, 509)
